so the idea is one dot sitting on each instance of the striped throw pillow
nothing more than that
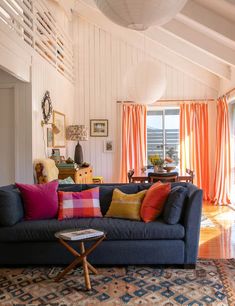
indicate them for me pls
(84, 204)
(126, 206)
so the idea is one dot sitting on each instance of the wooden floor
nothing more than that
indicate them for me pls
(218, 241)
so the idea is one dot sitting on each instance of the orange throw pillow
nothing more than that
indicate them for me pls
(154, 201)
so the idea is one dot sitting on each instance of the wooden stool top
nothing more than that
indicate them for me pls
(79, 234)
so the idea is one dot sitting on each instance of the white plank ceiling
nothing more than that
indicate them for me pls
(200, 37)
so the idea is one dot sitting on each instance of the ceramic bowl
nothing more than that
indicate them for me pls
(169, 168)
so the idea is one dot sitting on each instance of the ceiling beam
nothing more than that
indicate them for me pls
(188, 51)
(202, 41)
(152, 47)
(209, 22)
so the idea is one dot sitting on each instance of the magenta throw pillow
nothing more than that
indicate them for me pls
(40, 200)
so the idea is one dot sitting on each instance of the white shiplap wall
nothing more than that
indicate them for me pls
(45, 77)
(101, 61)
(22, 126)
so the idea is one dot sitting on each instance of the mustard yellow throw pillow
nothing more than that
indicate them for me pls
(126, 206)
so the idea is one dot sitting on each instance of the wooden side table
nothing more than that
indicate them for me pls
(79, 175)
(82, 257)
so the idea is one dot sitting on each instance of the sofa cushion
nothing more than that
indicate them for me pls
(82, 204)
(116, 229)
(174, 205)
(106, 191)
(154, 201)
(40, 200)
(106, 194)
(11, 206)
(126, 206)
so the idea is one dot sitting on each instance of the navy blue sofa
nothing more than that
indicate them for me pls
(127, 242)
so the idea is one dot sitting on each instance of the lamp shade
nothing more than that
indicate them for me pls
(77, 133)
(140, 14)
(145, 82)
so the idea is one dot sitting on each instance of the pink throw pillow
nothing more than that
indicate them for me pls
(40, 200)
(84, 204)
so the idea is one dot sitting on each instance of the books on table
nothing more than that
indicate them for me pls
(81, 234)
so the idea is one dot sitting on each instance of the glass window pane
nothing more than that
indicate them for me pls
(163, 133)
(155, 133)
(172, 134)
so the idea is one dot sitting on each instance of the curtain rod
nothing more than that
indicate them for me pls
(184, 100)
(172, 100)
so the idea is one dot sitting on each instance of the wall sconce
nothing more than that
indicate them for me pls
(55, 129)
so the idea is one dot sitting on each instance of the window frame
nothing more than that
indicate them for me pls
(161, 108)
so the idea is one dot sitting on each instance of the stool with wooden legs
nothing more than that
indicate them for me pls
(80, 258)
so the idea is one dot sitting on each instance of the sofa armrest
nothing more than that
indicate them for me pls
(191, 222)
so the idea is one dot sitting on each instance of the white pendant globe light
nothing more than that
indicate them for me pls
(145, 82)
(140, 14)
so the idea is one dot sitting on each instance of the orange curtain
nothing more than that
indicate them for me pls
(194, 143)
(133, 138)
(222, 181)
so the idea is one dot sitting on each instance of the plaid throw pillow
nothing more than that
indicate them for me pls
(84, 204)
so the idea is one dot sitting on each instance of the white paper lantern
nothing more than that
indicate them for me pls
(140, 14)
(145, 82)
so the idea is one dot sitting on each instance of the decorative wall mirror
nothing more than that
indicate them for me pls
(46, 107)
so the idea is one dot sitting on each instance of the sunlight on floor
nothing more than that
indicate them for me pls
(218, 241)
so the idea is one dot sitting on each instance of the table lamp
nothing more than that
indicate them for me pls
(77, 133)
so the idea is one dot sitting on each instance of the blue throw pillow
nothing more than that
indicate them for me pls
(174, 205)
(11, 207)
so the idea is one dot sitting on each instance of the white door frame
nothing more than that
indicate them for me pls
(12, 86)
(23, 135)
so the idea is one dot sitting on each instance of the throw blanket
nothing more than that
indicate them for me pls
(45, 170)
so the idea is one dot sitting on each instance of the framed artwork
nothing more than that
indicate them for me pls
(108, 146)
(49, 138)
(99, 128)
(59, 123)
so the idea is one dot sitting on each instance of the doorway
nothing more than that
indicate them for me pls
(7, 136)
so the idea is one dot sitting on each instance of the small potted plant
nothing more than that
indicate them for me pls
(157, 162)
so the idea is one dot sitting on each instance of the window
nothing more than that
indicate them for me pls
(163, 133)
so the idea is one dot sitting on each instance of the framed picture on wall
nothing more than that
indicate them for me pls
(108, 146)
(99, 128)
(59, 127)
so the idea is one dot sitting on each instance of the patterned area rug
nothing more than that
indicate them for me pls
(212, 283)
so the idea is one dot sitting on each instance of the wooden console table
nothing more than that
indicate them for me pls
(79, 175)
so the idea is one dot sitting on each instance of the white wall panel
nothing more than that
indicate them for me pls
(225, 85)
(45, 77)
(21, 125)
(101, 63)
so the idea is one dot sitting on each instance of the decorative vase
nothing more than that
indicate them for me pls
(155, 168)
(158, 168)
